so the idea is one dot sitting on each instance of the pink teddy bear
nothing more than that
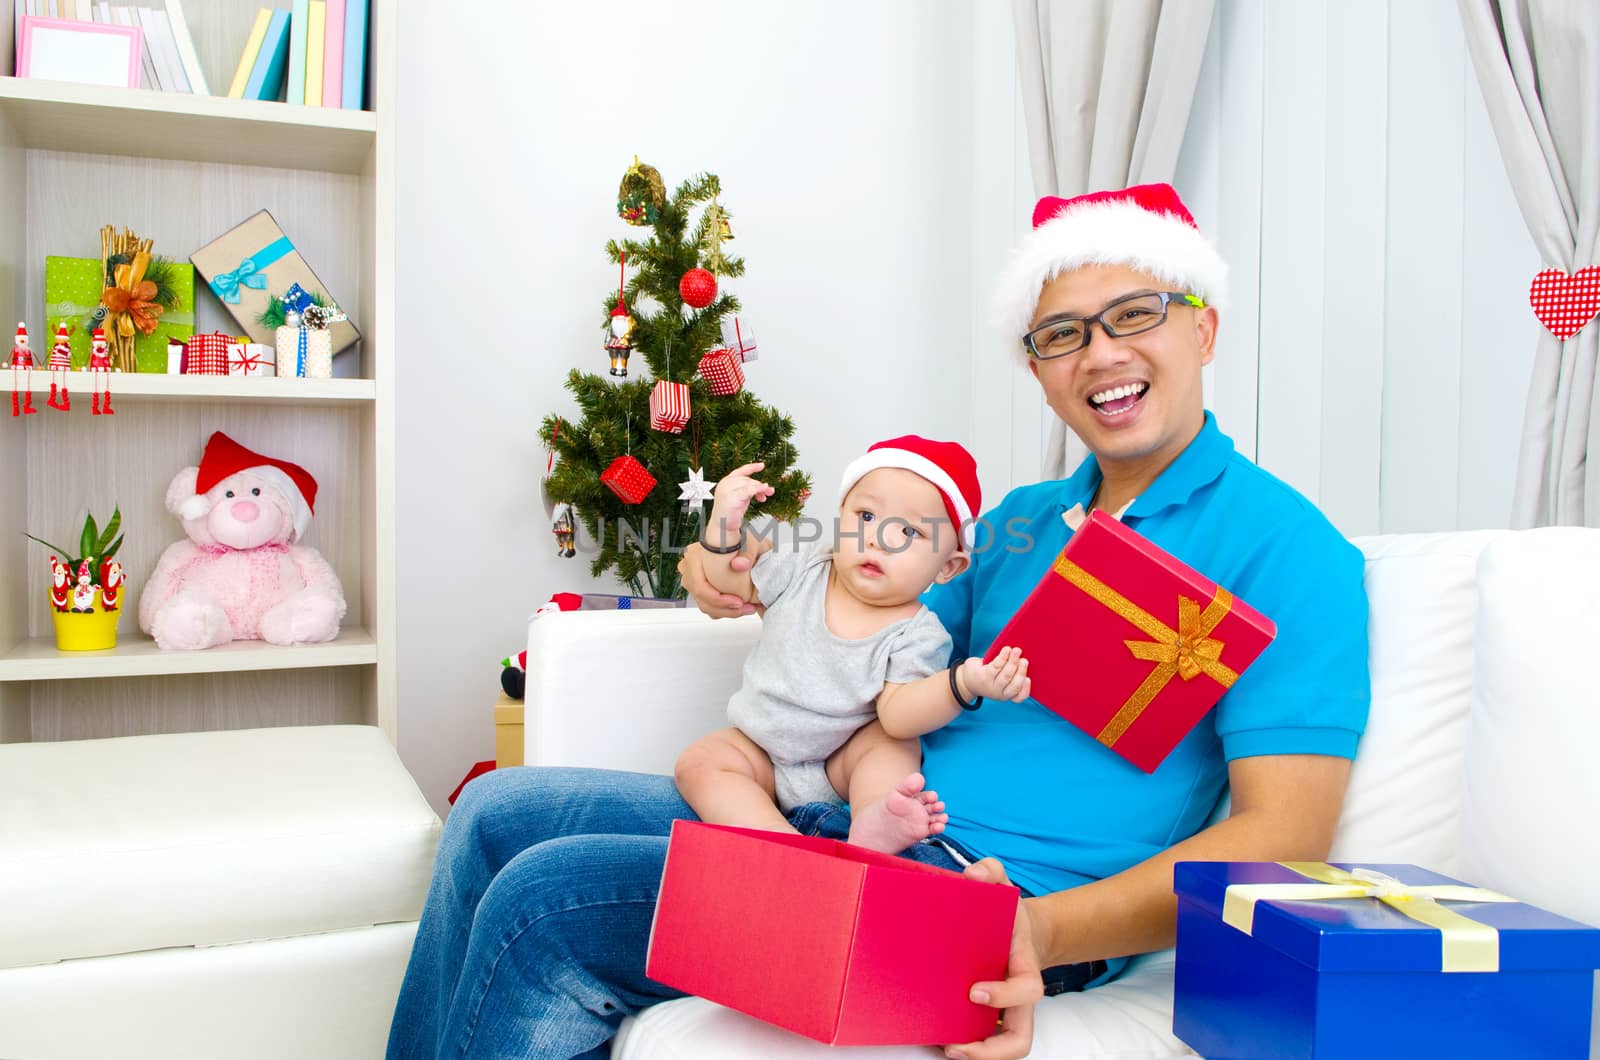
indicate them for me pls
(240, 575)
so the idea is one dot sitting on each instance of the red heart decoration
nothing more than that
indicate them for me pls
(1564, 304)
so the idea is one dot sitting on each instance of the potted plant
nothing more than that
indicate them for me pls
(87, 586)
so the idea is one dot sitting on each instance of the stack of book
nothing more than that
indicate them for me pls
(314, 53)
(170, 62)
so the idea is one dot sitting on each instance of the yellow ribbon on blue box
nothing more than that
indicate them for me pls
(1467, 946)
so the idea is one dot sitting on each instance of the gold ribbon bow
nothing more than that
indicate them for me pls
(1467, 946)
(1185, 652)
(131, 303)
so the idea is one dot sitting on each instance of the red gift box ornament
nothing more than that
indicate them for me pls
(208, 354)
(628, 479)
(669, 406)
(720, 367)
(1130, 604)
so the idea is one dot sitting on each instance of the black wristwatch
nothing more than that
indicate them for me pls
(721, 550)
(955, 691)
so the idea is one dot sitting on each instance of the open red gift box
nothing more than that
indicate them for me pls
(835, 942)
(1129, 644)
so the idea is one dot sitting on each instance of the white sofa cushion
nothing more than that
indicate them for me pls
(1129, 1019)
(1404, 802)
(657, 679)
(142, 842)
(1532, 801)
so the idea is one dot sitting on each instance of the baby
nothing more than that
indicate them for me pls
(844, 633)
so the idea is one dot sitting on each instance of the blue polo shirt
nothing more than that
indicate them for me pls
(1054, 805)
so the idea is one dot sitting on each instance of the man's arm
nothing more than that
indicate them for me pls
(1285, 808)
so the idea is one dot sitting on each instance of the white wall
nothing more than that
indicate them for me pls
(843, 136)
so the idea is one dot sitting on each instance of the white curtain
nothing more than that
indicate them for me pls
(1538, 64)
(1106, 90)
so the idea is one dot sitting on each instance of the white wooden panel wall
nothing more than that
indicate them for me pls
(1379, 345)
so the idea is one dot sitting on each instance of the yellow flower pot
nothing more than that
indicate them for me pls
(92, 631)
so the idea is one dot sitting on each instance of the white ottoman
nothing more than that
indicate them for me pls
(245, 894)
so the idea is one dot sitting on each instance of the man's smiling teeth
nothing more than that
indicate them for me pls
(1118, 392)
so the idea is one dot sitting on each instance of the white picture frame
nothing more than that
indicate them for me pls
(60, 49)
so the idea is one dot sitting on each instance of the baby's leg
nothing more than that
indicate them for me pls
(727, 778)
(889, 810)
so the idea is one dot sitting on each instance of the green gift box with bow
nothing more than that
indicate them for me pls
(72, 289)
(254, 262)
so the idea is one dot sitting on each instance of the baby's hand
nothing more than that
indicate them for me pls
(1004, 677)
(735, 492)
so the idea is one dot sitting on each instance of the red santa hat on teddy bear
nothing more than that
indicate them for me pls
(947, 465)
(224, 457)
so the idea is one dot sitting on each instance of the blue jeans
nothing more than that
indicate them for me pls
(533, 937)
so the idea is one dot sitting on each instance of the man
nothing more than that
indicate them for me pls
(534, 935)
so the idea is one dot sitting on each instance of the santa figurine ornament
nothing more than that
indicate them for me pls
(60, 363)
(100, 365)
(111, 573)
(21, 363)
(60, 584)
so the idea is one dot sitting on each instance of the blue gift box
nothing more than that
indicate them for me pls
(1261, 975)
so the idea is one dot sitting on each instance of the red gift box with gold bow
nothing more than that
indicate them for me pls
(1129, 644)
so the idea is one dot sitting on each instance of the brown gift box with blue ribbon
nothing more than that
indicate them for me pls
(251, 262)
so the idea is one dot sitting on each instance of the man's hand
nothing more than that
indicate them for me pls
(1003, 678)
(692, 573)
(1015, 997)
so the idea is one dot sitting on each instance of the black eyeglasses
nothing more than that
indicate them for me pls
(1127, 316)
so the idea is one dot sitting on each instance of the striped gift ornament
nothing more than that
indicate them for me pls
(628, 479)
(669, 406)
(720, 367)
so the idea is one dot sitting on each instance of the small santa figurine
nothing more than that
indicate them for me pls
(60, 363)
(112, 589)
(100, 364)
(22, 363)
(60, 584)
(83, 595)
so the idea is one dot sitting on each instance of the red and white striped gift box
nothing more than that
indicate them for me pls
(669, 406)
(720, 367)
(208, 354)
(628, 479)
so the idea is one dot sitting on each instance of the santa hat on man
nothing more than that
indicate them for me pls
(1146, 227)
(947, 465)
(22, 334)
(224, 457)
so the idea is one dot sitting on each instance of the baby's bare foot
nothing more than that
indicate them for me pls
(905, 816)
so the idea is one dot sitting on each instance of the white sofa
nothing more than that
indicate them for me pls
(1480, 757)
(249, 894)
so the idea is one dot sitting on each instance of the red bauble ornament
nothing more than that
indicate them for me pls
(698, 288)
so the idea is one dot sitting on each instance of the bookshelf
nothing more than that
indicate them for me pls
(181, 169)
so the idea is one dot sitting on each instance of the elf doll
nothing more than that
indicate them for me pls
(60, 362)
(100, 364)
(83, 595)
(21, 362)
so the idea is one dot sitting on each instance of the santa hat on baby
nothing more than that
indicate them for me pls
(224, 457)
(947, 465)
(1146, 227)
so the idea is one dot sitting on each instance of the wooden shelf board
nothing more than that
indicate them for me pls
(153, 386)
(65, 116)
(137, 656)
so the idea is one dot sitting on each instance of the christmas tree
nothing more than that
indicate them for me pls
(669, 313)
